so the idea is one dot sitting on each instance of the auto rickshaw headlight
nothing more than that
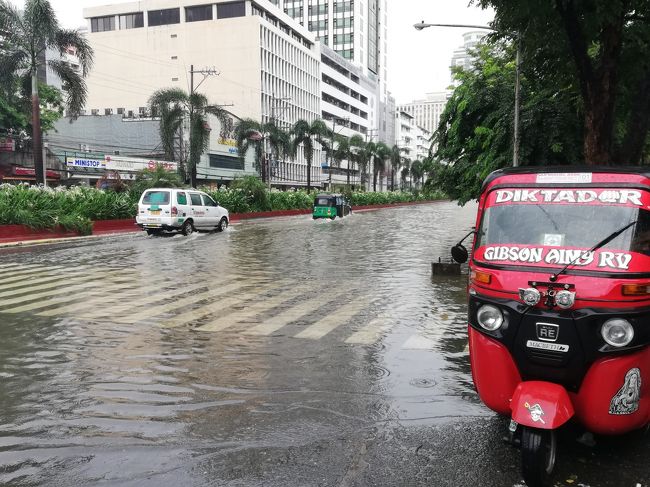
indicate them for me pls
(617, 332)
(489, 317)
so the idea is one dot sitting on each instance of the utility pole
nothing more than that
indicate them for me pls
(331, 151)
(207, 72)
(371, 135)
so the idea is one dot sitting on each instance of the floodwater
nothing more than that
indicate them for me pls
(280, 352)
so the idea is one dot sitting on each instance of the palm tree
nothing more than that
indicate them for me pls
(406, 169)
(251, 133)
(395, 164)
(305, 133)
(357, 146)
(417, 171)
(364, 157)
(382, 152)
(26, 35)
(174, 106)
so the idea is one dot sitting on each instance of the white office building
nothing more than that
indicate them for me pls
(427, 111)
(247, 55)
(463, 56)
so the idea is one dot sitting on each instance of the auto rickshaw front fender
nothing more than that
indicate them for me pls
(541, 404)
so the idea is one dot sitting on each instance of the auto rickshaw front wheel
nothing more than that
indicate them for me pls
(538, 450)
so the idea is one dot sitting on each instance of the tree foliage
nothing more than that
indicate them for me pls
(475, 135)
(608, 45)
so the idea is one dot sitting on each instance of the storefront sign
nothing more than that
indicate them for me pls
(134, 164)
(84, 162)
(30, 172)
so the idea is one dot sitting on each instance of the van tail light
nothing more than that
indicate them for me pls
(174, 211)
(636, 289)
(480, 277)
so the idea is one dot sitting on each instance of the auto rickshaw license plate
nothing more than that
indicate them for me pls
(551, 347)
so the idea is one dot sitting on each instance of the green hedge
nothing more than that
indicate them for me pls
(75, 208)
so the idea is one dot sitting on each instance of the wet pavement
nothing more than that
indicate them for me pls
(283, 352)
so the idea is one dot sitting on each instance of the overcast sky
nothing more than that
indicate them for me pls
(418, 61)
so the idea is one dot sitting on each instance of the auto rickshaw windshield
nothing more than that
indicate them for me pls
(323, 201)
(553, 225)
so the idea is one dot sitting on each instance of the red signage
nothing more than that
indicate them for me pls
(31, 172)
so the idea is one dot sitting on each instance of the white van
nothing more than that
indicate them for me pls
(179, 210)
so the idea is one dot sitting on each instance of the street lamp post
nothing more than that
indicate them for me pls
(516, 141)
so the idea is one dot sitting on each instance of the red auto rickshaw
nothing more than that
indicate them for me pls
(559, 303)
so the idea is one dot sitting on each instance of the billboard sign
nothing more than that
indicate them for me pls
(134, 164)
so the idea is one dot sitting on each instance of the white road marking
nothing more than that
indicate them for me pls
(294, 313)
(29, 274)
(179, 304)
(254, 309)
(333, 320)
(127, 292)
(24, 284)
(135, 304)
(62, 287)
(370, 333)
(69, 295)
(417, 342)
(187, 317)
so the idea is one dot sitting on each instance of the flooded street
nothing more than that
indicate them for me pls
(282, 352)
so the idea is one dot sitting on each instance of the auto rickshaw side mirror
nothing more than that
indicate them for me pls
(459, 253)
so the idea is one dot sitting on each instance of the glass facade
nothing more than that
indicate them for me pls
(132, 21)
(102, 24)
(230, 10)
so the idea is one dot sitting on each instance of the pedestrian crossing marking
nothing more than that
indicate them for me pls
(65, 299)
(333, 320)
(29, 274)
(294, 313)
(178, 304)
(417, 342)
(140, 301)
(27, 283)
(103, 299)
(218, 307)
(16, 265)
(57, 283)
(370, 333)
(224, 322)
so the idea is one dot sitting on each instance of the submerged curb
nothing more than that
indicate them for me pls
(20, 235)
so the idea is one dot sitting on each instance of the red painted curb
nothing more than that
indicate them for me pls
(267, 214)
(114, 226)
(19, 233)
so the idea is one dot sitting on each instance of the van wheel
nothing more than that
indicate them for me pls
(223, 224)
(188, 228)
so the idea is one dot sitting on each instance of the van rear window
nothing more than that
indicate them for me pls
(156, 198)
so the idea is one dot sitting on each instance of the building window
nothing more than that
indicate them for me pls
(102, 24)
(164, 17)
(230, 10)
(142, 111)
(94, 111)
(132, 21)
(120, 111)
(108, 111)
(200, 12)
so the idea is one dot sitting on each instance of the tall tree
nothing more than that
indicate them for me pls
(395, 163)
(381, 155)
(305, 134)
(25, 36)
(406, 170)
(608, 42)
(251, 133)
(175, 106)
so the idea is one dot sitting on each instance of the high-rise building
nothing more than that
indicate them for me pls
(463, 56)
(427, 111)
